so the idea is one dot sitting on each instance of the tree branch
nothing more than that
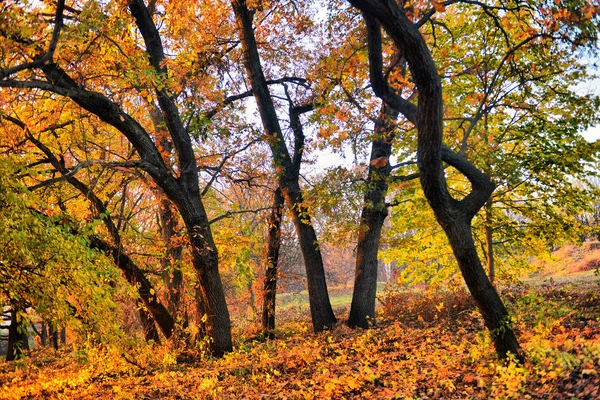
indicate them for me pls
(378, 83)
(229, 214)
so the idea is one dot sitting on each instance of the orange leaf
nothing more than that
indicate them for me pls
(439, 7)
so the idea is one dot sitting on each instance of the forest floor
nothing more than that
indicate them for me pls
(425, 346)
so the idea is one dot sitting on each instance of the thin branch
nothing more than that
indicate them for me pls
(403, 164)
(87, 164)
(230, 214)
(222, 163)
(49, 54)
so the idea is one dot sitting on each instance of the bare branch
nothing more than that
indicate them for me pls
(222, 163)
(87, 164)
(230, 214)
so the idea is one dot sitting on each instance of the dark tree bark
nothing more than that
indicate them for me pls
(18, 340)
(44, 334)
(54, 336)
(170, 263)
(184, 192)
(148, 325)
(288, 170)
(374, 212)
(454, 216)
(272, 259)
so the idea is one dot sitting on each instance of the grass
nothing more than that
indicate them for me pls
(340, 297)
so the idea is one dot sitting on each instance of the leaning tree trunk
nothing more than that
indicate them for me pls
(362, 310)
(272, 259)
(288, 170)
(494, 313)
(454, 216)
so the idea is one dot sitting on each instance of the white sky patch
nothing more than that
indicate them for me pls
(592, 134)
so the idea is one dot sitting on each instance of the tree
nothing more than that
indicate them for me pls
(511, 108)
(453, 215)
(46, 73)
(47, 269)
(287, 168)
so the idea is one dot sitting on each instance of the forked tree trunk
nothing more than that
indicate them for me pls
(454, 216)
(272, 259)
(288, 170)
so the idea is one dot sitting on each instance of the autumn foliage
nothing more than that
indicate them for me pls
(378, 177)
(432, 348)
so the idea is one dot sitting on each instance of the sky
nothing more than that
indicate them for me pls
(592, 134)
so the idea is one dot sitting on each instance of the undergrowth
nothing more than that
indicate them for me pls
(424, 346)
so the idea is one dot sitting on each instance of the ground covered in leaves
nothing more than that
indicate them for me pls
(427, 346)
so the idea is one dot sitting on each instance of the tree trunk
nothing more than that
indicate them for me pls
(44, 334)
(374, 212)
(184, 191)
(212, 300)
(288, 170)
(54, 336)
(492, 309)
(273, 246)
(170, 263)
(63, 335)
(489, 242)
(320, 306)
(454, 216)
(148, 325)
(18, 340)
